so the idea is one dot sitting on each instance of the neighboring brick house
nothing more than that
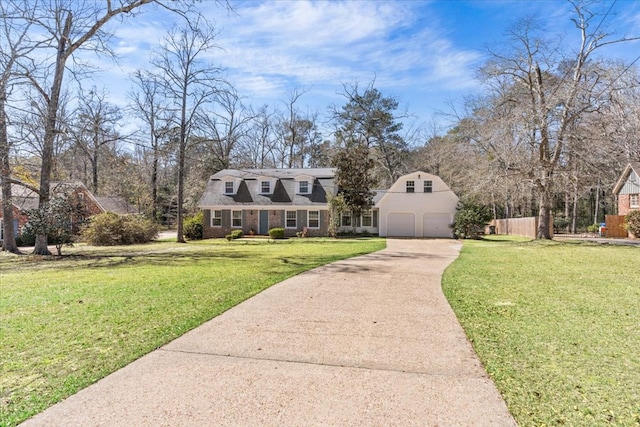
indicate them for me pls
(256, 200)
(25, 199)
(627, 189)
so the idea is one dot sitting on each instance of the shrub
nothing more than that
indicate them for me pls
(276, 233)
(470, 219)
(632, 223)
(110, 229)
(560, 223)
(593, 228)
(235, 234)
(192, 228)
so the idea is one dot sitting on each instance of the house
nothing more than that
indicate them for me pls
(627, 189)
(417, 205)
(256, 200)
(25, 199)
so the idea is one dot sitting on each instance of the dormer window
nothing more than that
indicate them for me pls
(265, 187)
(228, 187)
(303, 187)
(411, 187)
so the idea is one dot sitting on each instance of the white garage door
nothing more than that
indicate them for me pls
(436, 225)
(401, 225)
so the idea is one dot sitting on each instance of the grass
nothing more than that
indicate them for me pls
(556, 325)
(66, 322)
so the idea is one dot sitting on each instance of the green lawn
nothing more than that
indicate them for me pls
(67, 322)
(557, 326)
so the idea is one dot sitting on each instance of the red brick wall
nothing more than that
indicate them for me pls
(22, 219)
(624, 201)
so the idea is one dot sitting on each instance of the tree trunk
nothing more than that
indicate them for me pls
(180, 235)
(94, 161)
(574, 214)
(154, 180)
(566, 211)
(51, 128)
(597, 204)
(9, 239)
(544, 211)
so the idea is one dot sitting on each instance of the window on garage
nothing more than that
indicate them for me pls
(428, 186)
(411, 186)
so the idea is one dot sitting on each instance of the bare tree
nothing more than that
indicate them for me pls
(153, 108)
(68, 26)
(256, 150)
(222, 129)
(189, 82)
(552, 89)
(94, 128)
(14, 46)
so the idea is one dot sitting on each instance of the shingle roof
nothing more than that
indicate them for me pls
(115, 205)
(284, 189)
(25, 198)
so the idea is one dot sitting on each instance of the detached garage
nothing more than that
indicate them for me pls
(401, 224)
(417, 205)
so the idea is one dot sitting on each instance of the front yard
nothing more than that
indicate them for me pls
(67, 322)
(556, 325)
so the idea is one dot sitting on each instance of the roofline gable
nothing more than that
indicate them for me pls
(631, 166)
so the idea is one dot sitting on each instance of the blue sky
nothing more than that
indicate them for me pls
(424, 53)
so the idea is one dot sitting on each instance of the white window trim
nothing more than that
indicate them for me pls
(213, 211)
(270, 186)
(346, 214)
(637, 201)
(309, 220)
(286, 219)
(300, 187)
(233, 187)
(425, 186)
(232, 218)
(368, 213)
(407, 186)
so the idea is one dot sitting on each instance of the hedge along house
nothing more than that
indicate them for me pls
(256, 200)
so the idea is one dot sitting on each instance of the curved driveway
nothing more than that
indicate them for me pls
(368, 341)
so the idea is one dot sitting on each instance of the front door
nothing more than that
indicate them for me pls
(264, 223)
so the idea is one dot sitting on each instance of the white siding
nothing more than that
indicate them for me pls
(437, 225)
(431, 213)
(401, 224)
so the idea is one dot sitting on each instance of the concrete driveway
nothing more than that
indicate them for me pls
(369, 341)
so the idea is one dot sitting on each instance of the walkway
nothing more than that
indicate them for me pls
(369, 341)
